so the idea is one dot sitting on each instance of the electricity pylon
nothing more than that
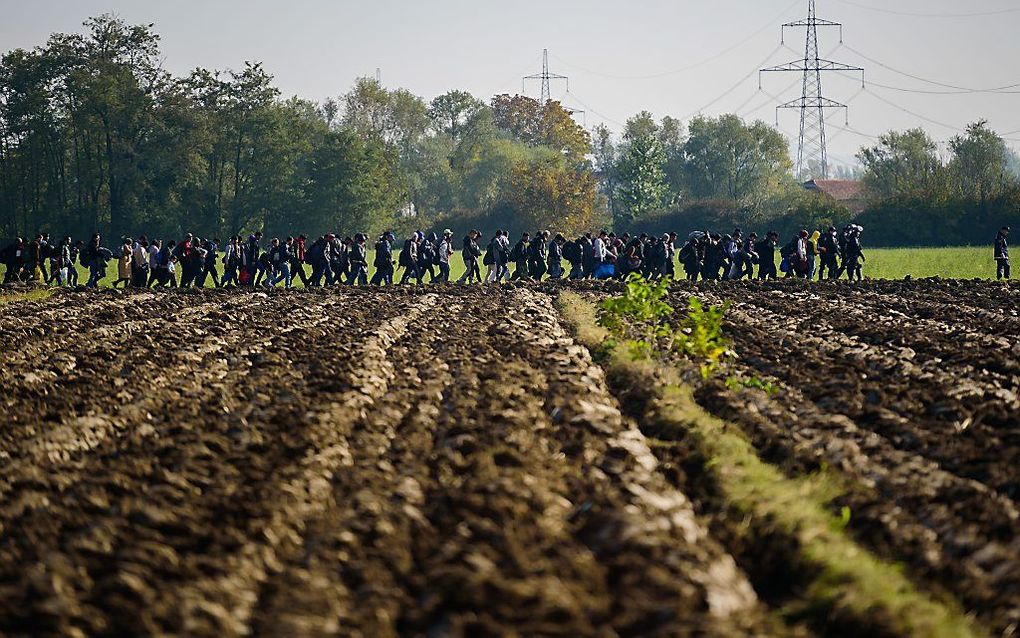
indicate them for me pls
(811, 151)
(546, 78)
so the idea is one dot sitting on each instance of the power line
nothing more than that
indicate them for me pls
(735, 86)
(594, 112)
(691, 67)
(917, 115)
(929, 15)
(933, 82)
(899, 89)
(771, 99)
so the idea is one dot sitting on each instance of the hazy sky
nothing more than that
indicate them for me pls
(675, 57)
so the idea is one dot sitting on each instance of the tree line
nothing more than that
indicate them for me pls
(96, 136)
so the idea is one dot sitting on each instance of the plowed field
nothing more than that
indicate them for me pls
(450, 461)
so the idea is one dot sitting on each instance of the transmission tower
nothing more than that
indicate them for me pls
(546, 78)
(811, 152)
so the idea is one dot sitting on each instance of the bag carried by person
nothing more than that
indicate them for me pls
(784, 266)
(605, 270)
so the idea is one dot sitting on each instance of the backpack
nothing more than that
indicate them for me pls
(405, 255)
(427, 253)
(517, 253)
(572, 251)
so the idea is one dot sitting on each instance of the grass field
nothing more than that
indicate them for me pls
(882, 263)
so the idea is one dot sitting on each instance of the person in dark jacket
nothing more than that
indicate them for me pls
(828, 252)
(690, 257)
(280, 257)
(1002, 254)
(408, 259)
(250, 257)
(95, 257)
(14, 257)
(427, 256)
(208, 266)
(358, 259)
(537, 254)
(854, 255)
(499, 250)
(297, 260)
(585, 243)
(519, 255)
(555, 257)
(383, 260)
(766, 249)
(470, 251)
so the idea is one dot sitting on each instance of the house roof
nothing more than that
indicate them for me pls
(841, 190)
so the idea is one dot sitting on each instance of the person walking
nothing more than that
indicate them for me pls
(1002, 254)
(444, 252)
(384, 260)
(124, 263)
(766, 249)
(499, 248)
(812, 254)
(211, 246)
(828, 250)
(297, 260)
(854, 255)
(471, 252)
(140, 264)
(426, 257)
(555, 257)
(231, 262)
(537, 254)
(357, 256)
(519, 255)
(280, 257)
(408, 259)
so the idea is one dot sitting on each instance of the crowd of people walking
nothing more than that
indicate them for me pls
(329, 260)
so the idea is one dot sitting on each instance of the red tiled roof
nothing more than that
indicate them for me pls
(841, 190)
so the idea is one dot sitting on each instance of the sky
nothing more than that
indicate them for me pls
(670, 57)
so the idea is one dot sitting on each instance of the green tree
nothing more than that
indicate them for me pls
(642, 178)
(980, 162)
(725, 158)
(901, 164)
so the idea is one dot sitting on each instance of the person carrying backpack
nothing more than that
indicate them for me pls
(358, 258)
(519, 255)
(555, 258)
(499, 249)
(471, 252)
(537, 254)
(574, 254)
(443, 254)
(427, 250)
(408, 259)
(383, 260)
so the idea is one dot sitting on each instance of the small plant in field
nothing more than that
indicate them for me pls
(701, 336)
(753, 383)
(639, 316)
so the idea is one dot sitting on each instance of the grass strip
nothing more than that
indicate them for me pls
(37, 294)
(847, 588)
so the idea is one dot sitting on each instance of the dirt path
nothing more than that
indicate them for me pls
(353, 462)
